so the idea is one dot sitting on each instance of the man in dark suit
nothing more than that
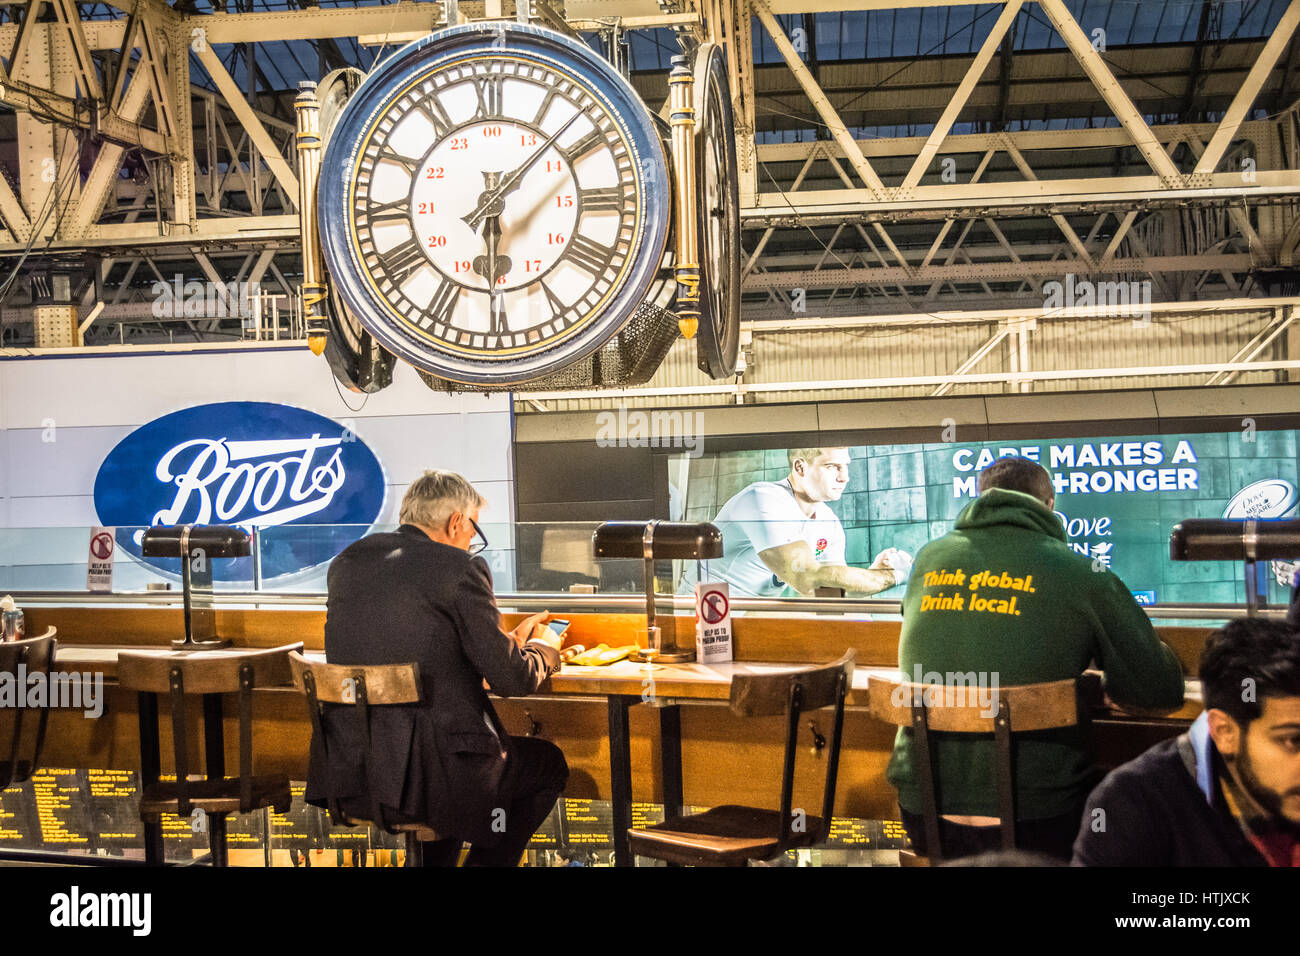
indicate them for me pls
(420, 594)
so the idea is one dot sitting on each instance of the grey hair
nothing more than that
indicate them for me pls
(435, 496)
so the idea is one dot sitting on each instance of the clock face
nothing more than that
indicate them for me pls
(494, 203)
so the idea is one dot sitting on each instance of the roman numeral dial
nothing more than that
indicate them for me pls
(494, 201)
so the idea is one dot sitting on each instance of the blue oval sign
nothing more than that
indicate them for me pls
(283, 470)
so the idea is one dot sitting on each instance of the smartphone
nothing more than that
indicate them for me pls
(558, 626)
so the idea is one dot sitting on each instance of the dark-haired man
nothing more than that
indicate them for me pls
(1003, 600)
(1227, 792)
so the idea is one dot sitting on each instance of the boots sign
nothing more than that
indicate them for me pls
(307, 484)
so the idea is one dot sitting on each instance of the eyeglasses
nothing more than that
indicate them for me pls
(477, 548)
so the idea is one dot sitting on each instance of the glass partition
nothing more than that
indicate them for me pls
(535, 559)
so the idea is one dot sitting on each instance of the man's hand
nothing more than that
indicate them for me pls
(525, 630)
(544, 634)
(892, 559)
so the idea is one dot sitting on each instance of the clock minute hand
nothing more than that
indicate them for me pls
(511, 180)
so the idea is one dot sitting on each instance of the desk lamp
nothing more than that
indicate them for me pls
(648, 540)
(196, 546)
(1238, 539)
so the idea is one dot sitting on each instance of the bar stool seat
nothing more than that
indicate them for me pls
(216, 796)
(728, 835)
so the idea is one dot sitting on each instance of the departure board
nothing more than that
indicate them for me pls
(115, 809)
(548, 834)
(294, 830)
(587, 822)
(849, 832)
(646, 815)
(893, 836)
(17, 816)
(62, 809)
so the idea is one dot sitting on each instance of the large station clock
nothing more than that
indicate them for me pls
(494, 203)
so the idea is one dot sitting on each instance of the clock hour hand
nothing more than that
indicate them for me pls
(489, 200)
(492, 267)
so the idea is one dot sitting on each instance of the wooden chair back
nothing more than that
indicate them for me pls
(204, 672)
(209, 674)
(957, 708)
(352, 685)
(34, 655)
(967, 708)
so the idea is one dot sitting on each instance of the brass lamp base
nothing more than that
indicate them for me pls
(674, 655)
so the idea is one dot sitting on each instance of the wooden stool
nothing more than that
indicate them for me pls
(35, 655)
(734, 835)
(362, 687)
(210, 675)
(956, 709)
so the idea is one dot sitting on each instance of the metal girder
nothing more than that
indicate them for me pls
(972, 77)
(830, 278)
(820, 103)
(953, 317)
(1249, 91)
(909, 381)
(1110, 89)
(989, 198)
(103, 174)
(269, 149)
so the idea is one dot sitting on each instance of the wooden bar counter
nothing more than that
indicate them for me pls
(724, 759)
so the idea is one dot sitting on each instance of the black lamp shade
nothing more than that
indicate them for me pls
(1229, 539)
(216, 541)
(675, 540)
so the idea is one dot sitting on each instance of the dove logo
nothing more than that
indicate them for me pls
(308, 485)
(1270, 498)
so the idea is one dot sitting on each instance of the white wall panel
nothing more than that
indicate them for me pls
(94, 402)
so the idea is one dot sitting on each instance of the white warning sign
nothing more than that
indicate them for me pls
(99, 561)
(712, 622)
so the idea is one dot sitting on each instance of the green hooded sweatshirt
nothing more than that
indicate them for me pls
(1004, 596)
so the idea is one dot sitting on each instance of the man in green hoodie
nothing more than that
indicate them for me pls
(1003, 596)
